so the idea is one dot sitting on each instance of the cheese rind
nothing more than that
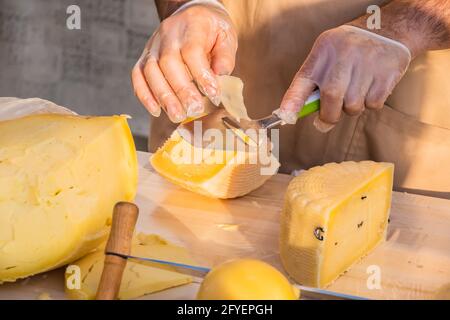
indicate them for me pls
(60, 176)
(139, 278)
(333, 216)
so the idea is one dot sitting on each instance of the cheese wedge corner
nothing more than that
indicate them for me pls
(332, 217)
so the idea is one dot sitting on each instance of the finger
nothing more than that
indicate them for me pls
(304, 83)
(331, 103)
(295, 97)
(378, 93)
(354, 100)
(198, 64)
(142, 91)
(223, 54)
(162, 91)
(323, 127)
(176, 74)
(332, 92)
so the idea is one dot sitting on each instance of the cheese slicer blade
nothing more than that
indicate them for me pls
(118, 249)
(200, 272)
(192, 131)
(195, 271)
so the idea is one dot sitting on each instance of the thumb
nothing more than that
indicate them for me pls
(294, 98)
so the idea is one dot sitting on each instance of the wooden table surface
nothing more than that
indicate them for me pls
(414, 263)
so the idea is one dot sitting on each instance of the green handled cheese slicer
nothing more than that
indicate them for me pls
(118, 249)
(220, 119)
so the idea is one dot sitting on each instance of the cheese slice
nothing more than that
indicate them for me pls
(60, 176)
(216, 173)
(231, 96)
(139, 278)
(333, 216)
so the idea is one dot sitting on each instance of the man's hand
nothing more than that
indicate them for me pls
(182, 57)
(356, 69)
(352, 69)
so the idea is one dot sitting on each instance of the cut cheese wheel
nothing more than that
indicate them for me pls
(332, 217)
(60, 176)
(212, 172)
(139, 278)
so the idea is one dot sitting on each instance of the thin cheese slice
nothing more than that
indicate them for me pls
(332, 217)
(139, 278)
(215, 172)
(60, 176)
(231, 96)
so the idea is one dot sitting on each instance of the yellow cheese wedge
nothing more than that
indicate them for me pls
(139, 278)
(246, 279)
(227, 172)
(60, 176)
(219, 173)
(332, 217)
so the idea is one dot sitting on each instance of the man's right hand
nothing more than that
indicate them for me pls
(184, 55)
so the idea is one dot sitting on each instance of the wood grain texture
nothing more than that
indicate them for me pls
(124, 220)
(414, 262)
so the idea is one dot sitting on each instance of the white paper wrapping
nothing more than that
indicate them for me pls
(12, 108)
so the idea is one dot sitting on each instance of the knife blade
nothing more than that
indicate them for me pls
(201, 272)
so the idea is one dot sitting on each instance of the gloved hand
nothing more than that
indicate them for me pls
(353, 68)
(184, 56)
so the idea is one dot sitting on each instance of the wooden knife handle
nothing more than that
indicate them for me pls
(123, 222)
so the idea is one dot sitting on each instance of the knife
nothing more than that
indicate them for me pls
(118, 249)
(221, 121)
(201, 272)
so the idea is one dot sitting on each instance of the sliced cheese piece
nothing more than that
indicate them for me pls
(231, 96)
(333, 216)
(60, 176)
(139, 278)
(214, 172)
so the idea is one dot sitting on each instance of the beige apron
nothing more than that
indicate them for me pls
(412, 131)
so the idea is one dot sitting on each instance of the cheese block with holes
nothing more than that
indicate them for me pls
(333, 216)
(212, 172)
(60, 176)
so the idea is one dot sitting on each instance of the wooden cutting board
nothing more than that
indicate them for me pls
(414, 263)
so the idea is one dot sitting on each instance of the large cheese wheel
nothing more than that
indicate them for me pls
(60, 176)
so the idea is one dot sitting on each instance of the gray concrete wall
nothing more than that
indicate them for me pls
(87, 70)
